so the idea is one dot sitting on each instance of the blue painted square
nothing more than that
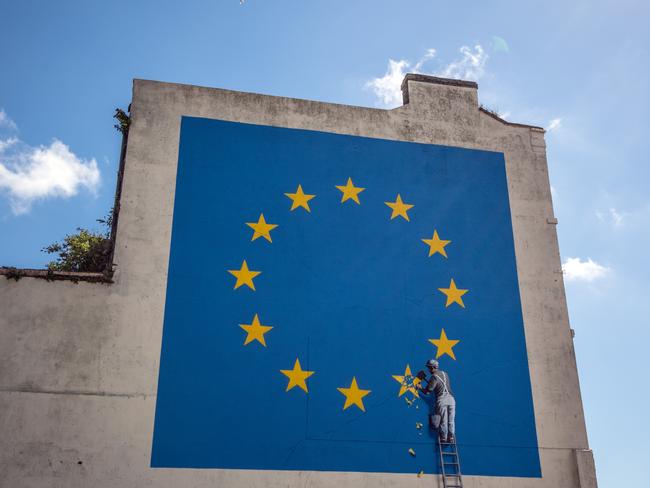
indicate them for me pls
(350, 292)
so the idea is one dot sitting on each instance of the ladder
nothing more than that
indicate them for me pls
(450, 465)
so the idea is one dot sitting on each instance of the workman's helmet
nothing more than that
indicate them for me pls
(432, 363)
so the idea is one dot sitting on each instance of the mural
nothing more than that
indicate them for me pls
(324, 291)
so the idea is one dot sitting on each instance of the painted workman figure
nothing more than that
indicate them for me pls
(444, 408)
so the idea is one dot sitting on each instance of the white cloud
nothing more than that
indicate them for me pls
(388, 88)
(6, 122)
(29, 174)
(577, 270)
(470, 67)
(554, 124)
(7, 143)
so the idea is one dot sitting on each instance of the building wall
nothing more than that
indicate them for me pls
(79, 361)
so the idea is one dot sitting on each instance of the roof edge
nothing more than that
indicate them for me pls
(513, 124)
(437, 81)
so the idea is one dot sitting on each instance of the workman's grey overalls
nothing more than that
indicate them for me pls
(445, 405)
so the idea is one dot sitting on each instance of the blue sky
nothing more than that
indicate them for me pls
(578, 68)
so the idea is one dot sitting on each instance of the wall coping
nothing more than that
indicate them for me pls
(52, 275)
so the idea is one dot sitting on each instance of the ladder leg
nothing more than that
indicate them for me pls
(450, 465)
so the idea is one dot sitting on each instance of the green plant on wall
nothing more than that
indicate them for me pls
(123, 121)
(85, 251)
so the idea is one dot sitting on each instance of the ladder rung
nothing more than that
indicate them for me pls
(452, 463)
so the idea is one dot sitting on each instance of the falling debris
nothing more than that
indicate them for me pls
(420, 474)
(418, 425)
(409, 402)
(412, 451)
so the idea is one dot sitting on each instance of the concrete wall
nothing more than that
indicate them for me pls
(79, 361)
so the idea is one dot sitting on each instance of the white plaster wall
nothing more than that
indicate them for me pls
(79, 362)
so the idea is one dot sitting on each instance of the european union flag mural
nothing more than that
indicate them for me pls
(311, 277)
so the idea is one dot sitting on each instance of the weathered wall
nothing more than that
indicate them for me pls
(79, 362)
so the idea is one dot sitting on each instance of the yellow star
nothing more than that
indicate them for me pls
(408, 381)
(436, 244)
(399, 208)
(350, 192)
(300, 199)
(297, 376)
(453, 294)
(255, 331)
(354, 395)
(244, 276)
(444, 345)
(261, 228)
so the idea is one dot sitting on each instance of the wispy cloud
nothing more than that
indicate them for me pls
(430, 54)
(554, 124)
(470, 67)
(6, 122)
(31, 173)
(617, 217)
(387, 88)
(576, 269)
(612, 216)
